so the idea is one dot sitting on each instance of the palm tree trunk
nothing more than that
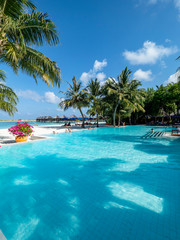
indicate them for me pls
(129, 120)
(114, 116)
(119, 120)
(97, 120)
(82, 117)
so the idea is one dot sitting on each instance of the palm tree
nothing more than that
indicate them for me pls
(22, 28)
(75, 97)
(8, 99)
(124, 92)
(94, 93)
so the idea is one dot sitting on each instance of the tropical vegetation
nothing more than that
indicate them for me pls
(8, 98)
(94, 93)
(108, 100)
(75, 97)
(122, 99)
(22, 28)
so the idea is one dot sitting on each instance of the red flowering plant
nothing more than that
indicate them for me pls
(21, 129)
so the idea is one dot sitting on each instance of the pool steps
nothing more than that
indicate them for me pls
(153, 134)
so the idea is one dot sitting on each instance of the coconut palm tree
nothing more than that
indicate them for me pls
(8, 99)
(94, 92)
(124, 91)
(75, 97)
(22, 28)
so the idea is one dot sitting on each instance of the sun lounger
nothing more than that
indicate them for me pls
(175, 132)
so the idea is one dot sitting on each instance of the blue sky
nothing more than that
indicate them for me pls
(99, 39)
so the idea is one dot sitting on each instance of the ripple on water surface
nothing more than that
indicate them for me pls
(104, 183)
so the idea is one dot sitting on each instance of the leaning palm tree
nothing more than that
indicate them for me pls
(8, 99)
(21, 29)
(75, 97)
(94, 92)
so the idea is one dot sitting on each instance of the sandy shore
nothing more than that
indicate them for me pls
(40, 133)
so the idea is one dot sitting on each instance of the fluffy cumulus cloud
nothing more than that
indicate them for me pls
(98, 66)
(150, 53)
(173, 78)
(48, 97)
(95, 72)
(143, 75)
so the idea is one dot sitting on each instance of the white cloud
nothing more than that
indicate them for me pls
(173, 78)
(28, 94)
(143, 75)
(94, 73)
(98, 66)
(50, 97)
(101, 76)
(85, 77)
(150, 53)
(176, 4)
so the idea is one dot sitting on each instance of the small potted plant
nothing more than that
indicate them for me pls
(21, 131)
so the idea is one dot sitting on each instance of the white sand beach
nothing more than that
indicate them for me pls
(41, 132)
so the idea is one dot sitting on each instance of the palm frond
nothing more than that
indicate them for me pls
(31, 29)
(33, 63)
(14, 8)
(8, 98)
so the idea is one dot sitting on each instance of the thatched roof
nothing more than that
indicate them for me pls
(56, 117)
(63, 116)
(73, 116)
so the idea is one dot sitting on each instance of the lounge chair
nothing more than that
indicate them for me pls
(175, 132)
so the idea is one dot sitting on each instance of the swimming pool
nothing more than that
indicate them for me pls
(105, 183)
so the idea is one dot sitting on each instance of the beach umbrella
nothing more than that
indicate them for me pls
(79, 118)
(85, 117)
(63, 118)
(72, 118)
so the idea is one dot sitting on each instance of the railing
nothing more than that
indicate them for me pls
(153, 135)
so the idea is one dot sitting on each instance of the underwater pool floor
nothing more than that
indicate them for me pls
(106, 183)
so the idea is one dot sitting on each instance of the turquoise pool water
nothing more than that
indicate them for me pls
(96, 184)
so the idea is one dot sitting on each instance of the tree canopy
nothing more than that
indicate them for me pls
(22, 28)
(8, 98)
